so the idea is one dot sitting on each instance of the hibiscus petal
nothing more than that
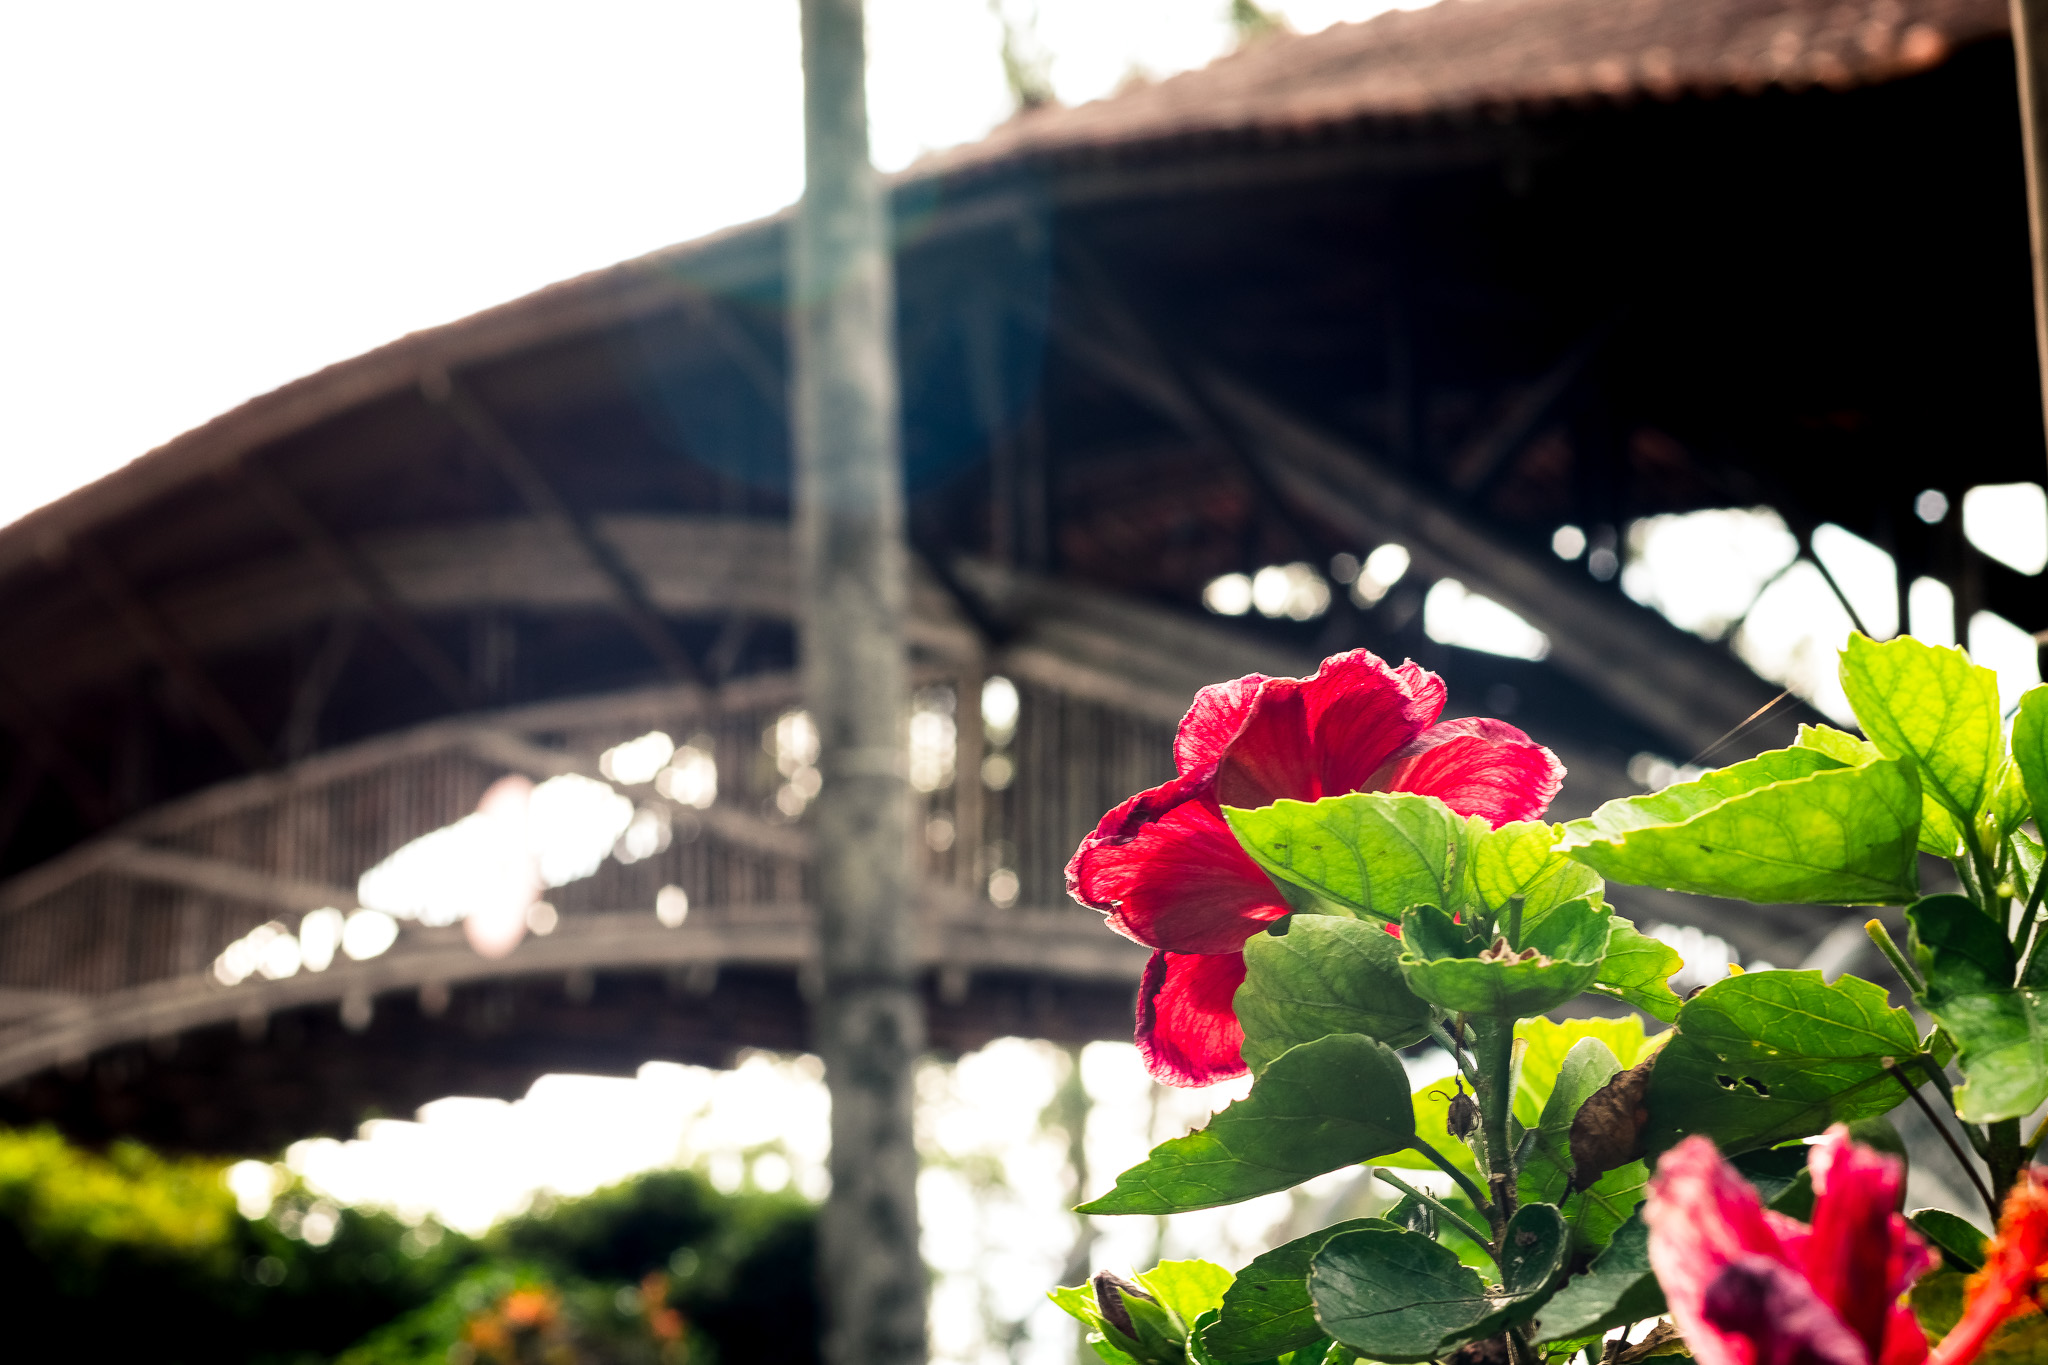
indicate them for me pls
(1360, 713)
(1188, 1032)
(1168, 872)
(1703, 1216)
(1306, 738)
(1861, 1255)
(1905, 1341)
(1273, 757)
(1213, 721)
(2012, 1273)
(1477, 767)
(1767, 1307)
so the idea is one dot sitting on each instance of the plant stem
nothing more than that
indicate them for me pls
(1442, 1210)
(2006, 1156)
(1443, 1039)
(1494, 1046)
(2027, 922)
(1948, 1095)
(1444, 1164)
(1966, 873)
(1900, 964)
(1515, 923)
(1963, 1160)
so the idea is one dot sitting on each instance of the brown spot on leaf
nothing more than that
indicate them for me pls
(1500, 952)
(1608, 1129)
(1492, 1351)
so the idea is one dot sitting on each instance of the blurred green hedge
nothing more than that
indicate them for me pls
(149, 1257)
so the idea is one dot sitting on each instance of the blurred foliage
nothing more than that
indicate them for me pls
(153, 1252)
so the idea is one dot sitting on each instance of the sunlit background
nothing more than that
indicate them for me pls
(1725, 573)
(211, 199)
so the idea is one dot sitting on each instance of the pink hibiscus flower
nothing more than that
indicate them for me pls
(1748, 1286)
(1167, 872)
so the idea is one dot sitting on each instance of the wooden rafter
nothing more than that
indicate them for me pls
(156, 638)
(1680, 686)
(42, 748)
(349, 565)
(629, 594)
(220, 877)
(1474, 466)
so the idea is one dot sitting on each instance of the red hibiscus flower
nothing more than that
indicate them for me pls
(2014, 1274)
(1168, 873)
(1751, 1287)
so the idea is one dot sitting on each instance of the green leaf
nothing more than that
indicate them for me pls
(1546, 1043)
(1547, 1167)
(1617, 1289)
(1959, 950)
(1594, 1214)
(1589, 1065)
(1187, 1288)
(1846, 749)
(1521, 859)
(2010, 804)
(1961, 1242)
(2001, 1032)
(1938, 834)
(1197, 1354)
(1327, 975)
(1682, 801)
(1370, 854)
(1396, 1296)
(1937, 1301)
(1079, 1302)
(1320, 1106)
(1786, 826)
(1766, 1057)
(1638, 970)
(1931, 706)
(1268, 1311)
(1568, 946)
(2029, 854)
(1781, 1178)
(2030, 750)
(2002, 1038)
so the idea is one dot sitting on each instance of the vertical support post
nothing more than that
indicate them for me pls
(852, 591)
(2030, 50)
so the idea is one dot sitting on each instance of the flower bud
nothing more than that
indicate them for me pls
(1138, 1324)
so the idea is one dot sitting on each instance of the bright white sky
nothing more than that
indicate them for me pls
(209, 199)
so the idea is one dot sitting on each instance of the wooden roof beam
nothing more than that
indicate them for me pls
(629, 594)
(1679, 686)
(1684, 688)
(160, 642)
(755, 365)
(42, 748)
(220, 877)
(1135, 355)
(1526, 412)
(344, 562)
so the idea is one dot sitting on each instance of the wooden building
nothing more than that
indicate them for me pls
(1449, 279)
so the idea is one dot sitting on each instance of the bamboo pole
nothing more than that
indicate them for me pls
(852, 592)
(2030, 51)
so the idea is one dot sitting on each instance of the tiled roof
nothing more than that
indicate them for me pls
(1460, 57)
